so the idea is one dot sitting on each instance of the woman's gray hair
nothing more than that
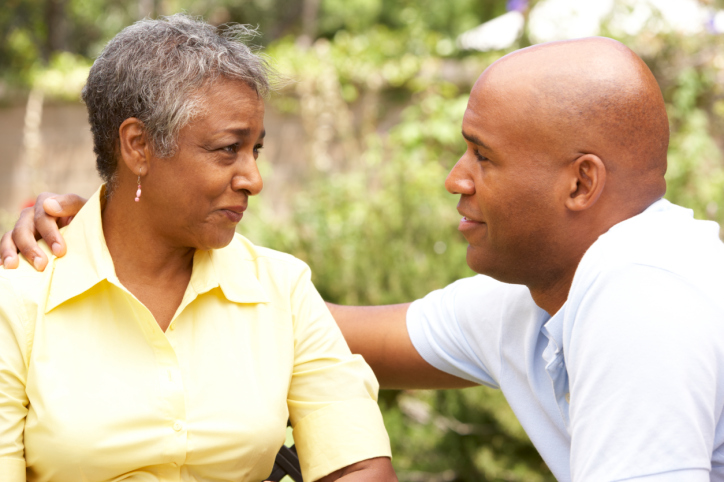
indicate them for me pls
(153, 70)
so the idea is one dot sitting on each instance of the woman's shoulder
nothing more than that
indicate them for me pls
(25, 282)
(22, 290)
(265, 258)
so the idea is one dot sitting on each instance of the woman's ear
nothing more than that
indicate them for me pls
(588, 178)
(134, 146)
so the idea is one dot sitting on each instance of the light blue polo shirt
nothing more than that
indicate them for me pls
(626, 381)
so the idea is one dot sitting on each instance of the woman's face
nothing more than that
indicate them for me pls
(198, 196)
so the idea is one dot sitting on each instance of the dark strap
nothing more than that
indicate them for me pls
(286, 463)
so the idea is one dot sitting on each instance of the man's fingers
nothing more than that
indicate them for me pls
(50, 212)
(23, 235)
(48, 230)
(61, 205)
(53, 211)
(47, 225)
(8, 252)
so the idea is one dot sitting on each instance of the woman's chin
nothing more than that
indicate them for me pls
(217, 239)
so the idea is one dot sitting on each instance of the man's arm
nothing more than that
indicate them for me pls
(50, 212)
(379, 334)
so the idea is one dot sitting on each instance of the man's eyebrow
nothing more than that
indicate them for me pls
(263, 134)
(475, 140)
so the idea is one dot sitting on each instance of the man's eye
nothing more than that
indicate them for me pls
(479, 156)
(258, 148)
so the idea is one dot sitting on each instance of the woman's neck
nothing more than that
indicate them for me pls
(146, 263)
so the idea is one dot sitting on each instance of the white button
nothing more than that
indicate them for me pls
(568, 397)
(178, 426)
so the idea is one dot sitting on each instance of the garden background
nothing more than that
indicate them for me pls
(360, 138)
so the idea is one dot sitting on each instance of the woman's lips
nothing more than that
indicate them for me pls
(233, 216)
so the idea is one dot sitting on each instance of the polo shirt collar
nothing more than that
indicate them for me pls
(88, 262)
(232, 269)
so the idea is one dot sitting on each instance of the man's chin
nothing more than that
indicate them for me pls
(479, 260)
(482, 261)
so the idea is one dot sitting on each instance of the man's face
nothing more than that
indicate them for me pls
(508, 186)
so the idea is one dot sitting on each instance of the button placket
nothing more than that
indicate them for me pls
(171, 389)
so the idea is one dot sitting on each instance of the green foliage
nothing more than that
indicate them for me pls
(385, 230)
(462, 435)
(63, 77)
(695, 177)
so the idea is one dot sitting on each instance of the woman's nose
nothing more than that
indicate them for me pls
(249, 180)
(459, 180)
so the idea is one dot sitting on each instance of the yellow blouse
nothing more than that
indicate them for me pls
(91, 389)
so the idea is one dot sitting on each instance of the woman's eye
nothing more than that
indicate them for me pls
(232, 149)
(258, 148)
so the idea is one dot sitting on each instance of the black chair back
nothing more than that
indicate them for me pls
(286, 463)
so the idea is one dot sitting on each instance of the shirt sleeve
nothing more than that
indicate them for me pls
(333, 394)
(458, 329)
(13, 399)
(644, 359)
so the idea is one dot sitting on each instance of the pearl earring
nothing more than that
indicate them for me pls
(138, 192)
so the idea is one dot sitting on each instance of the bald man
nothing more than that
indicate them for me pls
(599, 310)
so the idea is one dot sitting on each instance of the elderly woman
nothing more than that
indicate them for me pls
(163, 346)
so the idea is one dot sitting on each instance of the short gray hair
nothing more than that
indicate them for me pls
(152, 71)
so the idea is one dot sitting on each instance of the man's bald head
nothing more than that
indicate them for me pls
(565, 140)
(589, 95)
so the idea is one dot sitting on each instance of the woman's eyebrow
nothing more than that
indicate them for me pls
(242, 132)
(475, 140)
(245, 132)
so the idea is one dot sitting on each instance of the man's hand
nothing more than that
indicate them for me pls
(379, 334)
(51, 212)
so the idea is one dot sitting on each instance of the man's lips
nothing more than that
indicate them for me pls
(467, 224)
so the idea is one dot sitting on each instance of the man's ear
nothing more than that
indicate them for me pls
(134, 146)
(588, 178)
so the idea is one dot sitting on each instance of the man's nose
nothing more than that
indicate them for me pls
(459, 180)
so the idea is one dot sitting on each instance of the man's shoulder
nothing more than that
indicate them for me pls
(666, 238)
(480, 300)
(663, 257)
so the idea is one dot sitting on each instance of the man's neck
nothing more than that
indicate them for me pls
(552, 296)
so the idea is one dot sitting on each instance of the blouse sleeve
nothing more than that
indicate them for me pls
(333, 394)
(14, 354)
